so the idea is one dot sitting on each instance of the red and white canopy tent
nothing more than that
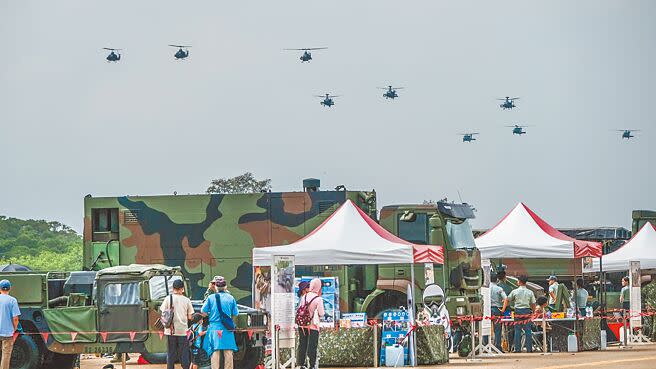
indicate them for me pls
(350, 237)
(523, 234)
(641, 247)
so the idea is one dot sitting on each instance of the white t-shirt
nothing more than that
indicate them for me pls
(553, 288)
(182, 308)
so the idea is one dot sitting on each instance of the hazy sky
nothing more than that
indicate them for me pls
(73, 124)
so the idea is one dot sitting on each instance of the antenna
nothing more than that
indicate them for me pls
(460, 197)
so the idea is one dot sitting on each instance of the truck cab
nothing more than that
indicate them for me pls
(110, 311)
(442, 223)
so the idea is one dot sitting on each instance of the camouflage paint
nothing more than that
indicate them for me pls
(209, 235)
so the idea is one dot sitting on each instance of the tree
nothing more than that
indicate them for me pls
(245, 183)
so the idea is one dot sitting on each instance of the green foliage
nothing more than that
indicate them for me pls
(245, 183)
(39, 244)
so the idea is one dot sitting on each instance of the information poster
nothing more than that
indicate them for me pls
(353, 320)
(429, 274)
(634, 294)
(396, 324)
(262, 288)
(486, 324)
(282, 278)
(330, 296)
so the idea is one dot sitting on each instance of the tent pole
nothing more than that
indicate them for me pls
(413, 349)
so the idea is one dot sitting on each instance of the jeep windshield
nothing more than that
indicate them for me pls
(460, 233)
(158, 286)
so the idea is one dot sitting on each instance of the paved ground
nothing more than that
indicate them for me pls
(637, 357)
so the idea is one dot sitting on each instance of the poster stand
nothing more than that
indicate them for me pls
(485, 325)
(282, 309)
(635, 320)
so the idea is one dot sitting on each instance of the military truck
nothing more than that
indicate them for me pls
(214, 234)
(641, 217)
(110, 311)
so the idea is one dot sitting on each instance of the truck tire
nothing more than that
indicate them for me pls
(26, 354)
(156, 358)
(62, 361)
(252, 358)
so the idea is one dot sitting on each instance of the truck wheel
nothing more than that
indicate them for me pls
(26, 354)
(253, 356)
(63, 361)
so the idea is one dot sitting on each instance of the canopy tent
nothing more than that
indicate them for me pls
(350, 237)
(641, 247)
(523, 234)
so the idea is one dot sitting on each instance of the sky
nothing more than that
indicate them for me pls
(73, 124)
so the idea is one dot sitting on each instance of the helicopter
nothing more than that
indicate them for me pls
(626, 133)
(468, 137)
(113, 56)
(181, 54)
(327, 100)
(518, 130)
(508, 103)
(391, 92)
(307, 56)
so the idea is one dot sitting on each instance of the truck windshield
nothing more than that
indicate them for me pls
(460, 235)
(158, 287)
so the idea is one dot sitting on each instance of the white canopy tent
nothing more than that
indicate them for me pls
(350, 237)
(641, 247)
(523, 234)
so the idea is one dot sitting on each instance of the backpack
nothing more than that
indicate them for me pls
(303, 316)
(166, 319)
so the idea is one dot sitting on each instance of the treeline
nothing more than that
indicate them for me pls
(39, 244)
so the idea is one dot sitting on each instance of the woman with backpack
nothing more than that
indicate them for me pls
(221, 308)
(310, 310)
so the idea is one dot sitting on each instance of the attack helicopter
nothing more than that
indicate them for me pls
(307, 55)
(626, 133)
(468, 137)
(113, 56)
(518, 130)
(390, 92)
(508, 103)
(327, 100)
(182, 53)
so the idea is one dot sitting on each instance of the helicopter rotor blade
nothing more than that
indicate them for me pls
(180, 46)
(307, 49)
(109, 48)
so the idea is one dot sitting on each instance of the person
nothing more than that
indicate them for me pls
(498, 304)
(522, 300)
(625, 294)
(503, 280)
(542, 306)
(9, 313)
(553, 291)
(303, 289)
(581, 297)
(221, 340)
(177, 345)
(309, 336)
(198, 330)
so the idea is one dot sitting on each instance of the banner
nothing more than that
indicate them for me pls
(486, 324)
(282, 299)
(634, 297)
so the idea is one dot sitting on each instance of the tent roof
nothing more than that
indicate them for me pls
(641, 247)
(523, 234)
(349, 236)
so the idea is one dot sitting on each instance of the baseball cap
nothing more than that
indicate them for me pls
(523, 278)
(552, 278)
(5, 285)
(178, 284)
(220, 281)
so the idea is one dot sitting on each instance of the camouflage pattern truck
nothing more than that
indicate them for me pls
(214, 234)
(110, 311)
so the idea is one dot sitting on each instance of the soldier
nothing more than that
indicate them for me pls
(625, 295)
(553, 291)
(498, 304)
(522, 300)
(9, 313)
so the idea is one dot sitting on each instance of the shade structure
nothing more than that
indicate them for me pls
(350, 237)
(523, 234)
(641, 247)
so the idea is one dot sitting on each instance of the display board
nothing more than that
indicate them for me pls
(429, 274)
(486, 324)
(282, 299)
(396, 324)
(634, 295)
(353, 320)
(330, 296)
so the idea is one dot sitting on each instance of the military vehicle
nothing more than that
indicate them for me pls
(215, 234)
(641, 217)
(110, 311)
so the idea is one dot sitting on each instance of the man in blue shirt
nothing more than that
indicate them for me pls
(9, 314)
(221, 339)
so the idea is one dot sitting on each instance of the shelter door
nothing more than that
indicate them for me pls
(121, 313)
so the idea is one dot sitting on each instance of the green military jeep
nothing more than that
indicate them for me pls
(110, 311)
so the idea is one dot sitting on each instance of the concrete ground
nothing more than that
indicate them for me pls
(636, 357)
